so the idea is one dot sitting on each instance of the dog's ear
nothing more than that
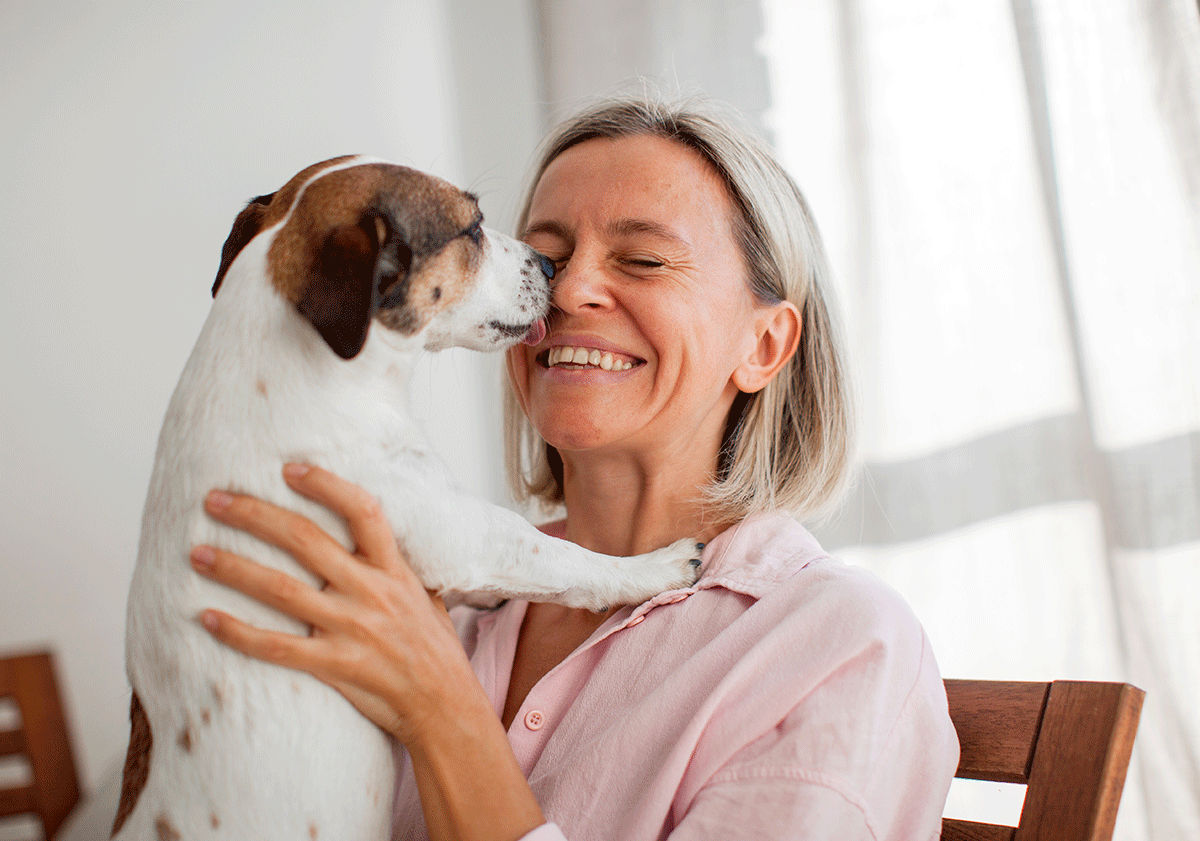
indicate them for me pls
(353, 267)
(245, 228)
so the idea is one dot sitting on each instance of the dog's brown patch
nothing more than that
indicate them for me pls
(218, 696)
(374, 237)
(137, 762)
(214, 821)
(185, 739)
(262, 212)
(165, 829)
(368, 238)
(261, 387)
(205, 716)
(312, 831)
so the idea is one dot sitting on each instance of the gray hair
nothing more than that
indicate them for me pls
(786, 447)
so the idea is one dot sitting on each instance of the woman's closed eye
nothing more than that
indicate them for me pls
(640, 262)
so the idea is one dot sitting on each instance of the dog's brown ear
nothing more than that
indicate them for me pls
(353, 266)
(245, 228)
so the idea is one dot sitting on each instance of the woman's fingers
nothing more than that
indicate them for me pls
(309, 654)
(297, 535)
(368, 526)
(273, 588)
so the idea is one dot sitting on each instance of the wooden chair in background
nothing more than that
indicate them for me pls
(41, 736)
(1069, 742)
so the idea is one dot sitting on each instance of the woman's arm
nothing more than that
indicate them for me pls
(384, 642)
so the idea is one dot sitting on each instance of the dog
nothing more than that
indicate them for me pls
(327, 291)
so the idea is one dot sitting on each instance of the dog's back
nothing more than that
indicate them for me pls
(231, 734)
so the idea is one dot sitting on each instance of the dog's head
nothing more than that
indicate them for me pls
(355, 241)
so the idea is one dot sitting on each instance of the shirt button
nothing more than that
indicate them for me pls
(534, 719)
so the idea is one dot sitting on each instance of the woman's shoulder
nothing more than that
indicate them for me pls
(793, 582)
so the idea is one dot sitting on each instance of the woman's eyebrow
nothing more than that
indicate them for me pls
(628, 227)
(548, 226)
(615, 228)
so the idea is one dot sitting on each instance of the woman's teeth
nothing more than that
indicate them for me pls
(564, 355)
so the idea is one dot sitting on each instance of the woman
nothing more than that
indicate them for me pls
(689, 385)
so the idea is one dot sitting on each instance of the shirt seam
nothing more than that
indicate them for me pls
(802, 775)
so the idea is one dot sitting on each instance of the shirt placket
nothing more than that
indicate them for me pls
(549, 700)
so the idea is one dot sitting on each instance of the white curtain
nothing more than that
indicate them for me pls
(1010, 191)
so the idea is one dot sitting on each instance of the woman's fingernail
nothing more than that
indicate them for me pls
(209, 620)
(219, 499)
(295, 471)
(202, 558)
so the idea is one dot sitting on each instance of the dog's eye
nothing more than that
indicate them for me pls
(475, 232)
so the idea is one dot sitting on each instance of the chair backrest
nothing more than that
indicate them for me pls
(1068, 741)
(41, 736)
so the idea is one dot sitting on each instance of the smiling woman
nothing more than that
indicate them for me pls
(787, 446)
(691, 382)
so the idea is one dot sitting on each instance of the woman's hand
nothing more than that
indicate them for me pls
(378, 636)
(384, 642)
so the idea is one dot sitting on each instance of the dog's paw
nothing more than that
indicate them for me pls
(680, 563)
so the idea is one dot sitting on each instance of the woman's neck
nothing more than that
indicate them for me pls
(620, 504)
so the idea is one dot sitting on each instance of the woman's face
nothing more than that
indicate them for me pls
(652, 315)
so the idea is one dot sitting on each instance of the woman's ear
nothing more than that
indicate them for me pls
(777, 329)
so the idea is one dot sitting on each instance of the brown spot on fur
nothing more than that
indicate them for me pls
(214, 821)
(185, 739)
(261, 387)
(165, 829)
(137, 762)
(218, 696)
(312, 831)
(205, 716)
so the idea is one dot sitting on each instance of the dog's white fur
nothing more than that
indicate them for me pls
(246, 750)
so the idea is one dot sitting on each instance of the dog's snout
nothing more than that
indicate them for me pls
(547, 266)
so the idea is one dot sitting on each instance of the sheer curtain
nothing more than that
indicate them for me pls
(1012, 194)
(1010, 191)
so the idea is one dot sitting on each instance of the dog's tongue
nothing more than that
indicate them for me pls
(536, 333)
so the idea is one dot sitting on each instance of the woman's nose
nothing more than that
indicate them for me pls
(578, 284)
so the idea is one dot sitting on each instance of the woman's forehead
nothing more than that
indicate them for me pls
(640, 181)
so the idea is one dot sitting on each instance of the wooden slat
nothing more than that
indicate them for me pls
(11, 741)
(18, 801)
(29, 679)
(997, 724)
(956, 830)
(1079, 767)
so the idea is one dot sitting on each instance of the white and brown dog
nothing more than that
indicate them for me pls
(327, 291)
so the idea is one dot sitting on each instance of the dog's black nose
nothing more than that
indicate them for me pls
(547, 266)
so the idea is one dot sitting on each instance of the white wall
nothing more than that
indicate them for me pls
(133, 134)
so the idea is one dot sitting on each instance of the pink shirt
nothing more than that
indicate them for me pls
(785, 695)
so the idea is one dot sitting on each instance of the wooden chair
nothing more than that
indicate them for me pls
(1068, 741)
(41, 736)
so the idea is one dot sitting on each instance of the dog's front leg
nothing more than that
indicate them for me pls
(482, 550)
